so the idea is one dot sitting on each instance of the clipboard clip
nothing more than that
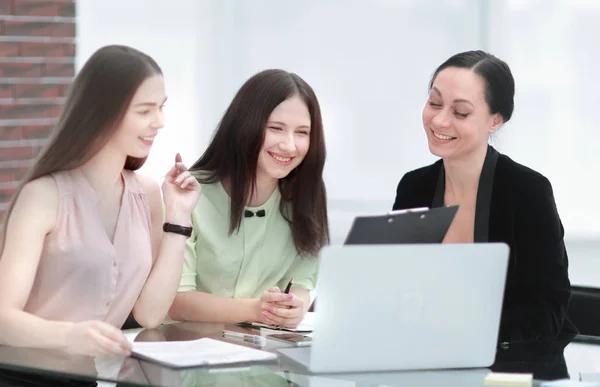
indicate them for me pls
(408, 210)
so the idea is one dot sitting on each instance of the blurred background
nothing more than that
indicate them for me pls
(369, 62)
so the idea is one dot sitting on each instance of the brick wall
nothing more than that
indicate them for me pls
(37, 50)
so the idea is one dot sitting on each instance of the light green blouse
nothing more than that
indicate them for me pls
(242, 265)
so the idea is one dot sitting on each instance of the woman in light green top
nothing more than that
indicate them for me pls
(262, 216)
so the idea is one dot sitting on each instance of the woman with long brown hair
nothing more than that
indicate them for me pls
(83, 242)
(262, 217)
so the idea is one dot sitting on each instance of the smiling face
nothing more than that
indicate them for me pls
(142, 120)
(286, 139)
(456, 117)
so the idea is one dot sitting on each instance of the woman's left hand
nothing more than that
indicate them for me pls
(288, 314)
(181, 190)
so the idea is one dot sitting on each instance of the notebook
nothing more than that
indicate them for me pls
(194, 353)
(306, 326)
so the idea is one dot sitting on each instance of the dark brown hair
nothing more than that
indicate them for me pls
(499, 82)
(233, 156)
(95, 105)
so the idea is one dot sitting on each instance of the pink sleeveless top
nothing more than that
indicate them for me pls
(81, 274)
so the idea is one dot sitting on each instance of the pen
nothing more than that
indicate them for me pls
(252, 339)
(289, 286)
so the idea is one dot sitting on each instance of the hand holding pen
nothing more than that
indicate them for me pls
(287, 312)
(267, 301)
(289, 286)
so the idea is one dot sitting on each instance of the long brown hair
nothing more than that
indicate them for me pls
(235, 147)
(94, 107)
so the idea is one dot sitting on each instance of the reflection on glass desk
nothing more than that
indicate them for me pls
(545, 359)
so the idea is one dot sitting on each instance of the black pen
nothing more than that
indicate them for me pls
(289, 286)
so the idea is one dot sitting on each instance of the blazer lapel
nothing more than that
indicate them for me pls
(484, 194)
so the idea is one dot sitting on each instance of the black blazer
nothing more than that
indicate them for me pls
(514, 205)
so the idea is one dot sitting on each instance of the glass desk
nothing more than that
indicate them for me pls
(548, 360)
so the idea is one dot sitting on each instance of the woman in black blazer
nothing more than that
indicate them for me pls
(470, 98)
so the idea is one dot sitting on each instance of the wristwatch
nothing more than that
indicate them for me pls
(177, 229)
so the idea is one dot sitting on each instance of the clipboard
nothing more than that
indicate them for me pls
(416, 225)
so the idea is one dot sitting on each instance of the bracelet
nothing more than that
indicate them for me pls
(177, 229)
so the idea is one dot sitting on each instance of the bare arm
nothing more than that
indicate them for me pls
(18, 267)
(206, 307)
(181, 192)
(167, 248)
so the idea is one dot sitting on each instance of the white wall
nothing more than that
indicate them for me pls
(173, 33)
(552, 48)
(370, 62)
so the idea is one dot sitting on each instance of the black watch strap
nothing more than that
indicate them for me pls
(177, 229)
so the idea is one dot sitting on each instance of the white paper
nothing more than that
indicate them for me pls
(180, 354)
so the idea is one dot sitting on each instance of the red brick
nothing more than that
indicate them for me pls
(6, 193)
(59, 70)
(35, 8)
(36, 132)
(67, 9)
(56, 111)
(13, 112)
(31, 132)
(45, 49)
(6, 177)
(39, 90)
(69, 49)
(6, 7)
(9, 49)
(5, 91)
(25, 28)
(15, 173)
(18, 153)
(26, 166)
(64, 90)
(18, 70)
(10, 133)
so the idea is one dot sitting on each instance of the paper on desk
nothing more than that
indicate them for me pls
(182, 354)
(305, 326)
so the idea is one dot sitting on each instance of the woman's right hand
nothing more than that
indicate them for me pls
(96, 338)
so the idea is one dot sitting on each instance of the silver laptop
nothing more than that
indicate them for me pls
(406, 307)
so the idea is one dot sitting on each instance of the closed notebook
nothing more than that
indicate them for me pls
(299, 329)
(195, 353)
(306, 326)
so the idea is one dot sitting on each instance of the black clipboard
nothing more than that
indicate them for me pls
(416, 225)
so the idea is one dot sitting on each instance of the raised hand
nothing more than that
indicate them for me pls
(181, 190)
